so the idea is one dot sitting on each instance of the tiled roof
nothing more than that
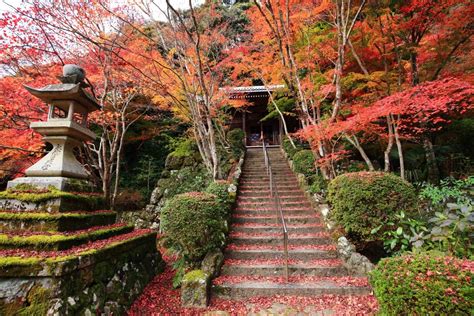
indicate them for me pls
(252, 89)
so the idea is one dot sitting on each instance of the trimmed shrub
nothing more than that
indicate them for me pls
(317, 184)
(289, 149)
(235, 138)
(362, 201)
(304, 162)
(194, 224)
(422, 284)
(220, 190)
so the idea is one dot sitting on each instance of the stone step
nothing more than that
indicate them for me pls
(246, 193)
(61, 241)
(278, 240)
(260, 171)
(272, 208)
(247, 289)
(277, 228)
(265, 177)
(265, 186)
(296, 254)
(266, 180)
(274, 217)
(55, 222)
(289, 219)
(258, 165)
(268, 199)
(278, 182)
(286, 210)
(264, 269)
(271, 204)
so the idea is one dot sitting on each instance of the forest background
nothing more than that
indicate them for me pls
(376, 85)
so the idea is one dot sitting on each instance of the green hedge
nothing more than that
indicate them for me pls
(423, 284)
(220, 190)
(304, 162)
(235, 138)
(317, 183)
(194, 223)
(289, 149)
(362, 201)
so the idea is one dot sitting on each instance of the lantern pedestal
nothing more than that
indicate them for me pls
(61, 250)
(60, 183)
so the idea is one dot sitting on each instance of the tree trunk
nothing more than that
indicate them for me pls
(400, 150)
(415, 78)
(118, 159)
(389, 145)
(106, 172)
(338, 85)
(433, 171)
(355, 142)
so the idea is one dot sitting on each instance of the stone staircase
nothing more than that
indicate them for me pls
(254, 264)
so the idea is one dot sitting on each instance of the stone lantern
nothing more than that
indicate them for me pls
(65, 129)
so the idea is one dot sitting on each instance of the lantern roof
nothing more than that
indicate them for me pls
(64, 92)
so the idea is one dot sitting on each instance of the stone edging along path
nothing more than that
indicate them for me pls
(354, 262)
(255, 239)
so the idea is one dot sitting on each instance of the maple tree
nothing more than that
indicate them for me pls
(116, 87)
(340, 61)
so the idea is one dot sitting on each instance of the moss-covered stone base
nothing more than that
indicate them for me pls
(104, 281)
(50, 201)
(54, 222)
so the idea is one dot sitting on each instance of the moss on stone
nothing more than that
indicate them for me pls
(36, 304)
(8, 261)
(195, 275)
(21, 266)
(50, 194)
(59, 241)
(55, 222)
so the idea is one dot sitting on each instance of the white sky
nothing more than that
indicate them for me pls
(182, 4)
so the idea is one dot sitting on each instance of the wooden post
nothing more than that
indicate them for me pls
(280, 131)
(244, 127)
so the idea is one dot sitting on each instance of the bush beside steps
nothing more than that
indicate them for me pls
(427, 283)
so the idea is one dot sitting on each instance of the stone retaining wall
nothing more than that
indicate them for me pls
(103, 283)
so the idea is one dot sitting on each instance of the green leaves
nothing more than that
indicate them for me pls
(194, 224)
(368, 204)
(452, 229)
(449, 190)
(404, 233)
(425, 283)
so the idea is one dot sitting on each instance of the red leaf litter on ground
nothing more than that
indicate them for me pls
(342, 280)
(159, 298)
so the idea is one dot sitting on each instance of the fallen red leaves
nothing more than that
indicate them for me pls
(284, 208)
(316, 262)
(263, 225)
(56, 214)
(268, 191)
(272, 216)
(290, 247)
(342, 280)
(241, 203)
(276, 235)
(24, 233)
(98, 244)
(159, 298)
